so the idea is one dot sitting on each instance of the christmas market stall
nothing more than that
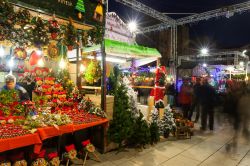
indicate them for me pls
(40, 104)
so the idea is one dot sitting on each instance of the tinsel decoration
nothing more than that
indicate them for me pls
(70, 35)
(39, 33)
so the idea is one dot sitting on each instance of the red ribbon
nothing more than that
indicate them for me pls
(52, 155)
(70, 147)
(41, 154)
(85, 143)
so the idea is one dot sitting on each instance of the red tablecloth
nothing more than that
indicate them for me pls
(20, 141)
(44, 133)
(49, 132)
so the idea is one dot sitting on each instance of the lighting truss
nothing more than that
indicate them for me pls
(147, 10)
(224, 11)
(230, 55)
(228, 11)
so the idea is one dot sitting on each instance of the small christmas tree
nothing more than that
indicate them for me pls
(121, 127)
(80, 7)
(154, 128)
(93, 72)
(167, 123)
(141, 132)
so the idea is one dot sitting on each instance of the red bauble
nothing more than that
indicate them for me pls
(53, 35)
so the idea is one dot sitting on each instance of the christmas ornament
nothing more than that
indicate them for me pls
(70, 35)
(80, 7)
(39, 33)
(54, 28)
(34, 58)
(53, 51)
(20, 53)
(98, 14)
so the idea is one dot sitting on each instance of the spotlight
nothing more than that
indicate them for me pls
(204, 51)
(132, 26)
(204, 65)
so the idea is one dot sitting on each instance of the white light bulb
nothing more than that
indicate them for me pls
(82, 68)
(241, 64)
(62, 64)
(11, 63)
(40, 63)
(2, 52)
(39, 52)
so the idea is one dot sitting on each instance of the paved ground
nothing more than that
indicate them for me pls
(205, 149)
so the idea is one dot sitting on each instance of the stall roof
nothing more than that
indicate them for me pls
(122, 49)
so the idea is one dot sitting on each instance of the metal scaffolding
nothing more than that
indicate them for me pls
(147, 10)
(228, 12)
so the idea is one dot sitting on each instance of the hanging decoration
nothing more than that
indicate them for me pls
(20, 53)
(34, 58)
(98, 14)
(80, 7)
(39, 32)
(53, 51)
(70, 35)
(54, 27)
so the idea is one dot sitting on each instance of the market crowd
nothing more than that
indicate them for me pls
(201, 97)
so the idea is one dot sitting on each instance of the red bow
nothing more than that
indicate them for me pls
(70, 147)
(52, 155)
(41, 154)
(85, 143)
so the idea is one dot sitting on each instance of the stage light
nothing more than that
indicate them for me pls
(204, 65)
(204, 51)
(132, 26)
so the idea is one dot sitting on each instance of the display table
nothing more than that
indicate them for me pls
(49, 132)
(21, 141)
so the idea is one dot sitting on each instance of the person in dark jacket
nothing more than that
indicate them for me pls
(10, 83)
(196, 100)
(207, 99)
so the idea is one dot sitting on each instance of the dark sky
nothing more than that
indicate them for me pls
(230, 32)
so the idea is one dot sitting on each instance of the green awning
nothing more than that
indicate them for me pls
(118, 48)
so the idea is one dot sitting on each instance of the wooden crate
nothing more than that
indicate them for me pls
(96, 99)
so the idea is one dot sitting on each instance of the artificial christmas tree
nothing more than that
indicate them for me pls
(121, 127)
(154, 128)
(80, 7)
(93, 72)
(141, 133)
(167, 123)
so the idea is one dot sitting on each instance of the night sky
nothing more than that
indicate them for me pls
(233, 32)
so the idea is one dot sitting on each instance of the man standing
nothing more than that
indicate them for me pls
(10, 84)
(207, 99)
(196, 100)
